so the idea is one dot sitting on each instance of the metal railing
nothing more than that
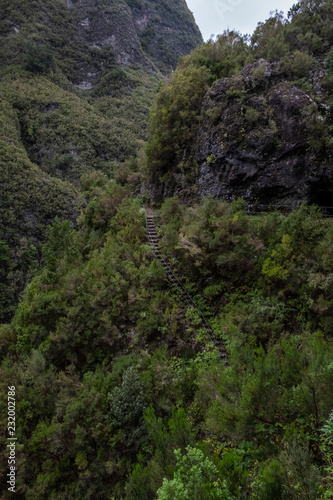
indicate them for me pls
(153, 238)
(283, 207)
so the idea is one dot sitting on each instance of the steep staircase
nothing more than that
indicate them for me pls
(174, 282)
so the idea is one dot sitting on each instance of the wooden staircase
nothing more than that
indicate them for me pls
(174, 282)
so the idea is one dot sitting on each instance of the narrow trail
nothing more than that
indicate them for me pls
(174, 281)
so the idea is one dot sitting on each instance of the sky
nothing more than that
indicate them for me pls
(214, 16)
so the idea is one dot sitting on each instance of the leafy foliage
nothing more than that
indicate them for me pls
(195, 477)
(119, 391)
(283, 54)
(127, 404)
(113, 401)
(39, 59)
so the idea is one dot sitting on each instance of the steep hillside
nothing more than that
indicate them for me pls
(251, 119)
(88, 37)
(77, 81)
(29, 200)
(119, 391)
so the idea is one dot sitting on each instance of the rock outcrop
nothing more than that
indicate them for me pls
(260, 137)
(259, 149)
(91, 37)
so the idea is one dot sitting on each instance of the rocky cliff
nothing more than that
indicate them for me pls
(258, 148)
(250, 118)
(260, 137)
(89, 37)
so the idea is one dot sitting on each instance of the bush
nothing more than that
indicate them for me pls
(39, 58)
(195, 478)
(329, 63)
(298, 65)
(127, 404)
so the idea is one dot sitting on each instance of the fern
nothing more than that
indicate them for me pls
(328, 428)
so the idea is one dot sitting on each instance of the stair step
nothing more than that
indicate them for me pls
(154, 241)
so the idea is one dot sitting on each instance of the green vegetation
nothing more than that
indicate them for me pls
(53, 131)
(176, 112)
(30, 199)
(298, 47)
(193, 478)
(119, 393)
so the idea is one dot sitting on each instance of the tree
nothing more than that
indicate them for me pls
(127, 404)
(39, 58)
(195, 478)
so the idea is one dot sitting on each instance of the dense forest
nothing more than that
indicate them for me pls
(120, 393)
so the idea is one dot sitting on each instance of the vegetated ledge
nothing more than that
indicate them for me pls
(260, 137)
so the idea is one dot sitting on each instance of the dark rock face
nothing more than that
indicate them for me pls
(140, 33)
(253, 142)
(92, 37)
(166, 29)
(109, 25)
(261, 163)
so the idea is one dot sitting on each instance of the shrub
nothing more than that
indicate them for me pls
(39, 58)
(252, 116)
(329, 63)
(196, 477)
(127, 404)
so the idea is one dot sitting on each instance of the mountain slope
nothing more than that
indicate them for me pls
(29, 200)
(87, 37)
(114, 373)
(119, 393)
(77, 79)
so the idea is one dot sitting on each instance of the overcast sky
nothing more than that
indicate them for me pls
(214, 16)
